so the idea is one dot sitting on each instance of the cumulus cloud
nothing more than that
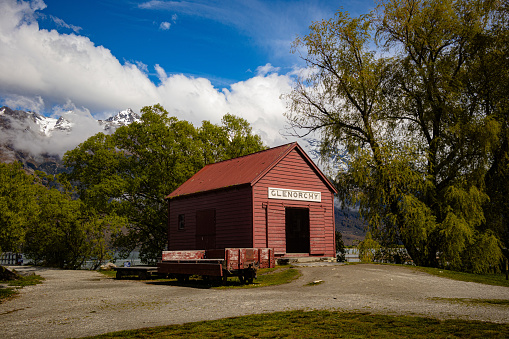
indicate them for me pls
(46, 69)
(266, 69)
(165, 25)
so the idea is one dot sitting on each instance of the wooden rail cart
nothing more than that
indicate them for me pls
(142, 272)
(218, 264)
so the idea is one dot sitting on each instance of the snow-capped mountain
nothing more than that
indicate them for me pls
(124, 117)
(34, 139)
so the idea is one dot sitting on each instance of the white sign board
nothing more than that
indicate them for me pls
(288, 194)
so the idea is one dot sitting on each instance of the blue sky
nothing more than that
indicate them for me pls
(223, 41)
(199, 59)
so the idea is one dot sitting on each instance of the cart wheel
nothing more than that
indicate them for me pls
(242, 279)
(249, 275)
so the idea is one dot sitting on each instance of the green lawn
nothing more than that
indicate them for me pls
(14, 285)
(497, 279)
(322, 324)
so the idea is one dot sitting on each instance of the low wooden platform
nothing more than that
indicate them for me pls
(142, 272)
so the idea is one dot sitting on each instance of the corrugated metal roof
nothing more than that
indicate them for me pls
(238, 171)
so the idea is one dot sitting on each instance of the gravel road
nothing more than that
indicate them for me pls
(81, 303)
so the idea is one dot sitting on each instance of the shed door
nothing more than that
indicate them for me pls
(297, 230)
(206, 229)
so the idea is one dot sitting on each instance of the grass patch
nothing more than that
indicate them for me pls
(500, 302)
(275, 276)
(108, 273)
(322, 324)
(6, 293)
(28, 280)
(488, 279)
(15, 285)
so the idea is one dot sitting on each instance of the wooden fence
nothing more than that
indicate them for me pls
(10, 258)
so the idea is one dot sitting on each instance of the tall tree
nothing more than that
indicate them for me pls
(18, 206)
(130, 172)
(67, 233)
(397, 92)
(492, 72)
(46, 224)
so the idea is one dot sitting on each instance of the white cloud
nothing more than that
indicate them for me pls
(165, 25)
(34, 104)
(266, 69)
(161, 74)
(61, 23)
(41, 68)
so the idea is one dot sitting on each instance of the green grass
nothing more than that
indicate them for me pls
(499, 302)
(14, 285)
(270, 277)
(108, 273)
(28, 280)
(489, 279)
(322, 324)
(6, 293)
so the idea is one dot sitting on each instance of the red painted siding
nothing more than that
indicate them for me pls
(233, 218)
(293, 172)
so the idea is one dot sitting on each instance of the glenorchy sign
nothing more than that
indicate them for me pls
(288, 194)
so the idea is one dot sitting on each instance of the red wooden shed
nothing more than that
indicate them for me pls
(277, 198)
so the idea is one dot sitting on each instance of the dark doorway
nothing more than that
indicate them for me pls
(206, 229)
(297, 230)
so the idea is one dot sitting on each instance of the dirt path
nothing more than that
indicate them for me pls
(81, 303)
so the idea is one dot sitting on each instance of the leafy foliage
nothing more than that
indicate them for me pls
(67, 232)
(17, 206)
(47, 225)
(368, 248)
(129, 173)
(413, 96)
(340, 247)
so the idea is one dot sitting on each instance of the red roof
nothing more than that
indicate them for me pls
(247, 169)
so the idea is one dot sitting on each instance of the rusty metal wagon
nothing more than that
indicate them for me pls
(216, 264)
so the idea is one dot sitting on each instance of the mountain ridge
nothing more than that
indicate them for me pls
(39, 142)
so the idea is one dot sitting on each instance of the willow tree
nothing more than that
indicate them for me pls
(399, 95)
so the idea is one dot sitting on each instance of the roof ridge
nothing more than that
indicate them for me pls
(251, 154)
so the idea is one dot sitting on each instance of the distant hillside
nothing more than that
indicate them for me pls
(350, 224)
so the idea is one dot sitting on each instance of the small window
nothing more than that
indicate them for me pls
(182, 222)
